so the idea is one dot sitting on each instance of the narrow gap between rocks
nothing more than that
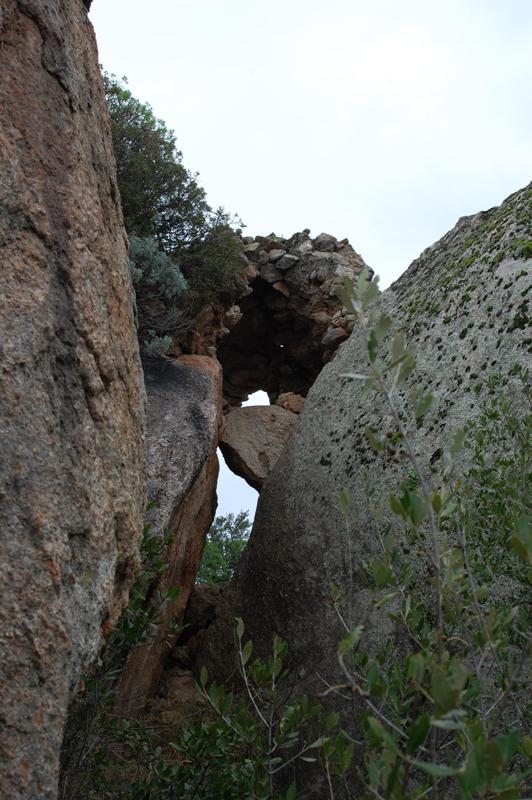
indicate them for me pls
(234, 494)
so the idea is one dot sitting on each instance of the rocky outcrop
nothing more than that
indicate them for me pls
(253, 440)
(464, 305)
(292, 321)
(184, 425)
(71, 393)
(288, 320)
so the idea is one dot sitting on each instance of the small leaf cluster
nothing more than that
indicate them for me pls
(273, 732)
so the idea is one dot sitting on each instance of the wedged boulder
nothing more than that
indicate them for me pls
(72, 492)
(292, 402)
(463, 303)
(253, 440)
(184, 425)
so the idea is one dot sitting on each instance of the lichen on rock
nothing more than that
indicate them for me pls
(461, 303)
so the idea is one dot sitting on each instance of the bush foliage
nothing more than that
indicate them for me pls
(183, 253)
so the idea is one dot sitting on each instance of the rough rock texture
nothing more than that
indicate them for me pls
(464, 303)
(203, 334)
(184, 425)
(253, 440)
(292, 321)
(200, 611)
(72, 489)
(288, 321)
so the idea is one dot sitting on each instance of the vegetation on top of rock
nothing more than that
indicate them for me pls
(166, 211)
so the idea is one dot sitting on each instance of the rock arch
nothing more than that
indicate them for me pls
(291, 321)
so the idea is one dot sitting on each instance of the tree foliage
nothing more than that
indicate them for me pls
(166, 212)
(160, 197)
(225, 542)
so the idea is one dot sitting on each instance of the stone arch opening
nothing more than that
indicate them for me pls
(271, 348)
(291, 321)
(234, 493)
(286, 327)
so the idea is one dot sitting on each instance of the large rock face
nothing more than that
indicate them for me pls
(464, 304)
(71, 390)
(184, 425)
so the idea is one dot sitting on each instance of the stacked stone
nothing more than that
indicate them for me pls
(292, 318)
(288, 321)
(311, 269)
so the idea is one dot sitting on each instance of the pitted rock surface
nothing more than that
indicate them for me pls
(72, 491)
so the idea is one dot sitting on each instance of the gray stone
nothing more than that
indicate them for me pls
(302, 248)
(460, 319)
(184, 425)
(325, 242)
(184, 422)
(287, 262)
(269, 273)
(273, 242)
(72, 483)
(251, 247)
(276, 254)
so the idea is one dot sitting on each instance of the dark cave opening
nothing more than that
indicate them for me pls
(271, 348)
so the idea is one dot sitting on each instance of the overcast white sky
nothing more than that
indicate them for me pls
(379, 120)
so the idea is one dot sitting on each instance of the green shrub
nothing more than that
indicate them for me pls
(172, 229)
(212, 265)
(160, 290)
(237, 751)
(161, 199)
